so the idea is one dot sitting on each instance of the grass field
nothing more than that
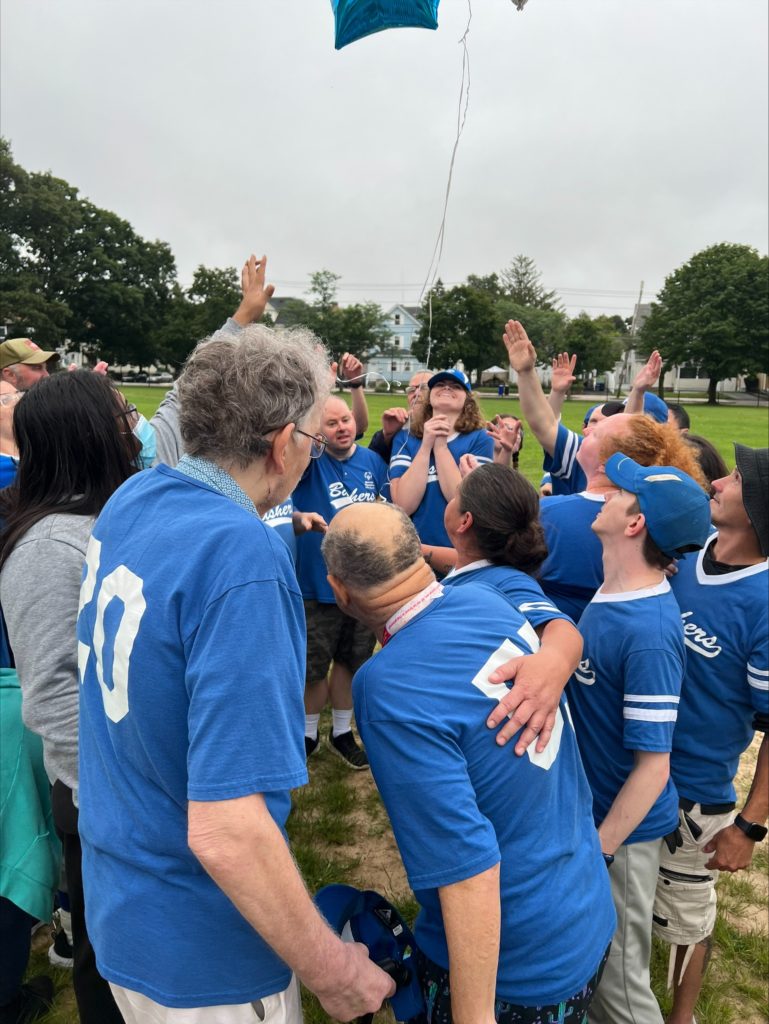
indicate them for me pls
(720, 424)
(340, 832)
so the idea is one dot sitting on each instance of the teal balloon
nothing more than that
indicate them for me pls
(355, 19)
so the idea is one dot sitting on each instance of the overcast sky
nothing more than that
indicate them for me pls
(607, 139)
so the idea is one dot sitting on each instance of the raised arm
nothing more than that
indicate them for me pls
(645, 379)
(523, 358)
(256, 294)
(351, 369)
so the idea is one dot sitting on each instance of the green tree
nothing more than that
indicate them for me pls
(359, 328)
(522, 282)
(595, 343)
(713, 312)
(73, 271)
(465, 326)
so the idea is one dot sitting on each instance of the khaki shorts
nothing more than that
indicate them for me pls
(334, 636)
(685, 902)
(282, 1008)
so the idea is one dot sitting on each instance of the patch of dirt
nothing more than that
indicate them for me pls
(380, 865)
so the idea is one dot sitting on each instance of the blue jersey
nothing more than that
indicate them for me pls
(566, 474)
(280, 518)
(624, 695)
(428, 518)
(327, 486)
(459, 803)
(523, 592)
(191, 649)
(573, 570)
(726, 632)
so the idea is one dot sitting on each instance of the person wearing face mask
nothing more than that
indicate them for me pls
(144, 433)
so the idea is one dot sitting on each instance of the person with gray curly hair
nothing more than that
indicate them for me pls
(192, 713)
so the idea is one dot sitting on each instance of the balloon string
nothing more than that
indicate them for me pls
(462, 106)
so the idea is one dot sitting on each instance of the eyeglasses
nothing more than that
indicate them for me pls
(130, 414)
(318, 445)
(412, 389)
(10, 397)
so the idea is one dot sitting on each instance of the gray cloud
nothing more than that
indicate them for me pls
(609, 141)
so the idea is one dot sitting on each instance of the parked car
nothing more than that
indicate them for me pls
(135, 378)
(161, 378)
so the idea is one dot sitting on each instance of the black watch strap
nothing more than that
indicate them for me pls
(751, 829)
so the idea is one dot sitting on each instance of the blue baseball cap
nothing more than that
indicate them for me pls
(367, 917)
(654, 407)
(455, 375)
(676, 509)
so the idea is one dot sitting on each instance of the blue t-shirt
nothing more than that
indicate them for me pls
(327, 486)
(726, 631)
(523, 592)
(280, 518)
(8, 467)
(191, 651)
(567, 476)
(573, 570)
(624, 695)
(459, 803)
(428, 518)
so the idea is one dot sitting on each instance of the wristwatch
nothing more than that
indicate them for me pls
(751, 829)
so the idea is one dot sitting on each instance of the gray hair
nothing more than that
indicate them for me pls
(237, 388)
(363, 562)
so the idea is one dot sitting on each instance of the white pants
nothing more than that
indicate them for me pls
(625, 995)
(282, 1008)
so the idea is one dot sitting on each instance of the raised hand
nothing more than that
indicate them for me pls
(351, 369)
(562, 376)
(506, 433)
(256, 294)
(520, 351)
(393, 420)
(649, 374)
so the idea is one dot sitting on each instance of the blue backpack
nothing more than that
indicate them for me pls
(370, 919)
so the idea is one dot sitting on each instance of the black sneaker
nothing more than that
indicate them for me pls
(33, 1001)
(311, 746)
(345, 747)
(60, 953)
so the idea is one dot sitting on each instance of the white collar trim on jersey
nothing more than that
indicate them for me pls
(632, 595)
(480, 563)
(592, 496)
(723, 578)
(412, 608)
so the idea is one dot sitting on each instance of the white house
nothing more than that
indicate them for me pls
(395, 362)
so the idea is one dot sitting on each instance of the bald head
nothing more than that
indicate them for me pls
(370, 543)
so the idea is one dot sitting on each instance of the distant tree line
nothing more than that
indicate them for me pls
(70, 271)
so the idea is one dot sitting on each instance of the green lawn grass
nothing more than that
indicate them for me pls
(720, 424)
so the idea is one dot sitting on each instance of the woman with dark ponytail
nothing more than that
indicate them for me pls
(493, 523)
